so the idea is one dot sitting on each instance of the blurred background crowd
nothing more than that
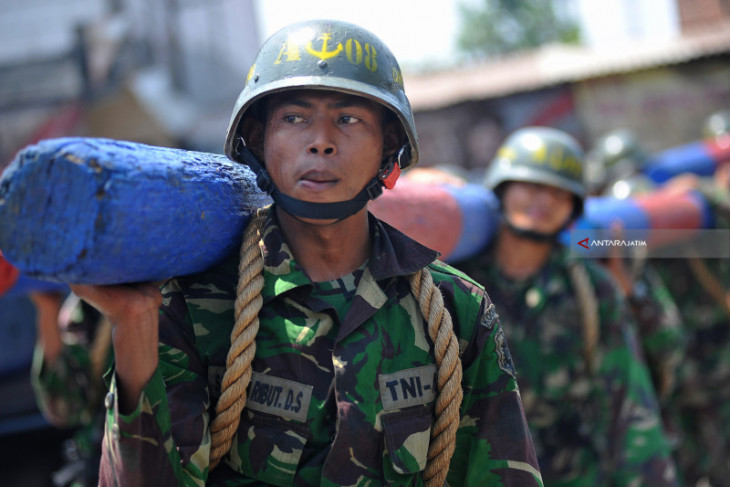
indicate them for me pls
(627, 79)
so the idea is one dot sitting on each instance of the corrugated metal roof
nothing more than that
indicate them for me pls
(556, 64)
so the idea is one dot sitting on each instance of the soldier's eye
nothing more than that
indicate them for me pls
(349, 119)
(293, 118)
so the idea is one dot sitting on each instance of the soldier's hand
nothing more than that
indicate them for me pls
(133, 310)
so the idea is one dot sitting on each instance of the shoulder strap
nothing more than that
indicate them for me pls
(588, 305)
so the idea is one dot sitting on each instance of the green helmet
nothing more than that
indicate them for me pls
(634, 185)
(330, 55)
(716, 125)
(539, 155)
(619, 153)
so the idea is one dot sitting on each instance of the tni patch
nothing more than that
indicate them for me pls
(408, 387)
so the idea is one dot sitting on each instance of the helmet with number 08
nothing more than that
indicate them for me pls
(326, 55)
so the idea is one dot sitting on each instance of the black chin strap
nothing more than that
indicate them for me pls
(531, 234)
(305, 209)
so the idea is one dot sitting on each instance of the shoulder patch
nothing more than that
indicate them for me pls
(504, 357)
(489, 317)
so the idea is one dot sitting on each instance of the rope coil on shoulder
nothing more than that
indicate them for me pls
(446, 349)
(243, 341)
(243, 348)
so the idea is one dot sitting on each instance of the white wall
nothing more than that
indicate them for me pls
(32, 29)
(621, 21)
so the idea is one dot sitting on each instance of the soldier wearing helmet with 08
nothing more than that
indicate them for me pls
(586, 391)
(333, 350)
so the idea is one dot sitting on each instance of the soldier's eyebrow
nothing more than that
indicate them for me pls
(346, 101)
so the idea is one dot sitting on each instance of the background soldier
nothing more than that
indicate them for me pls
(586, 391)
(356, 369)
(73, 349)
(614, 166)
(701, 287)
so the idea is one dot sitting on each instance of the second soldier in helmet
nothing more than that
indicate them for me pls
(587, 393)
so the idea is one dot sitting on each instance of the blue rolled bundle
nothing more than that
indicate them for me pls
(26, 285)
(693, 158)
(480, 219)
(101, 211)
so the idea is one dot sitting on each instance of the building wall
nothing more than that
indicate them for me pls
(469, 134)
(697, 15)
(664, 106)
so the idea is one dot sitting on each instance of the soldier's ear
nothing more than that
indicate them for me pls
(252, 131)
(393, 137)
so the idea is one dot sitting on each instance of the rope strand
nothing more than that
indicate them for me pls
(243, 342)
(448, 402)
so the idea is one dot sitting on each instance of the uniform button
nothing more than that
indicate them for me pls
(533, 297)
(109, 400)
(115, 432)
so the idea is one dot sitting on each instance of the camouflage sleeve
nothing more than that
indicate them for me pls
(68, 391)
(493, 442)
(64, 389)
(637, 448)
(139, 448)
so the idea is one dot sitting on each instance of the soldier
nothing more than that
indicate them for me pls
(613, 165)
(587, 394)
(73, 349)
(701, 286)
(345, 348)
(618, 158)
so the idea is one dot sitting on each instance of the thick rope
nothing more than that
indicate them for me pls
(448, 402)
(588, 304)
(243, 342)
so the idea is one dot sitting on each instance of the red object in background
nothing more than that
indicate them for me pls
(8, 275)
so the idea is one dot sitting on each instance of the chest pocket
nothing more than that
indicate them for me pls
(407, 435)
(406, 396)
(269, 448)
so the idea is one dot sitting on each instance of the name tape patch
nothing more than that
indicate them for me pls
(408, 387)
(280, 397)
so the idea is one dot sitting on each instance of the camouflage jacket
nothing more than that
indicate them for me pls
(70, 391)
(660, 329)
(697, 286)
(593, 414)
(333, 400)
(700, 408)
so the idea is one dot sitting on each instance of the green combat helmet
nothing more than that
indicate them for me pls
(617, 155)
(716, 125)
(326, 55)
(539, 155)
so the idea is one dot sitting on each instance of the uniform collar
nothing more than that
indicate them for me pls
(393, 254)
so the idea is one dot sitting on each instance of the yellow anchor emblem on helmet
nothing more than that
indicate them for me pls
(323, 54)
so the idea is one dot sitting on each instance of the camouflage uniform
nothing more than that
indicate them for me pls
(701, 405)
(343, 385)
(660, 330)
(594, 417)
(70, 391)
